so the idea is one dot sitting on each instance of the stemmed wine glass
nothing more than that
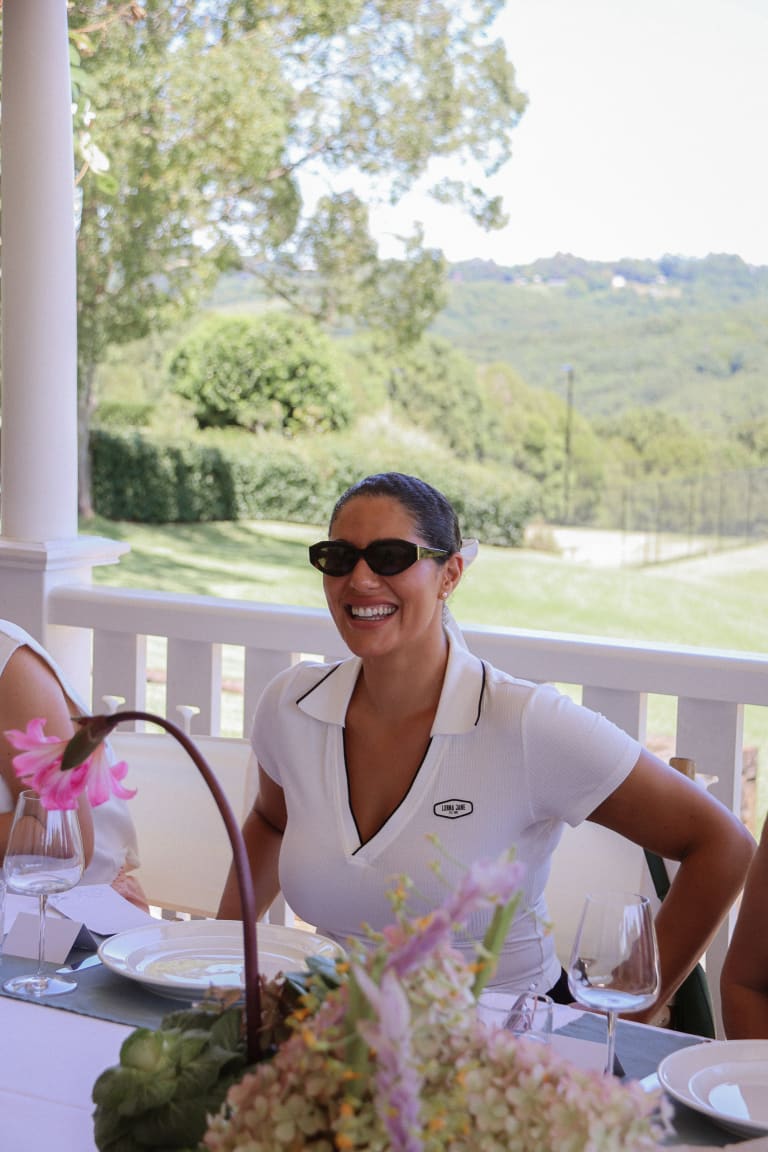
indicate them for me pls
(615, 961)
(44, 856)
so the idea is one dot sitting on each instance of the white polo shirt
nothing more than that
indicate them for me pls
(508, 762)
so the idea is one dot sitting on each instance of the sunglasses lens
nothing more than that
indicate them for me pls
(389, 557)
(333, 558)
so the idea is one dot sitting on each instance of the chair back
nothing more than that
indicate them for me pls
(184, 848)
(590, 858)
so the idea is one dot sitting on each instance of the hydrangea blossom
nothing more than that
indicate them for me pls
(434, 1077)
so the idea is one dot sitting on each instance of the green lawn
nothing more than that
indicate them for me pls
(718, 601)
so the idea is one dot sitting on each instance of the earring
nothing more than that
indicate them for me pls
(443, 595)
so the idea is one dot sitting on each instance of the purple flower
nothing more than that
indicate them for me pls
(485, 883)
(398, 1082)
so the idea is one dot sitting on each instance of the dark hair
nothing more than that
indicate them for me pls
(433, 515)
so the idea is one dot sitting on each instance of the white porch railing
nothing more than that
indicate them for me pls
(711, 688)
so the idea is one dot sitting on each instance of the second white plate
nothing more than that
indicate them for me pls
(185, 959)
(725, 1080)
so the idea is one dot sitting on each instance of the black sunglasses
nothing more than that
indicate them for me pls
(384, 557)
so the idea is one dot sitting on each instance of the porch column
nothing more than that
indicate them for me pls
(39, 545)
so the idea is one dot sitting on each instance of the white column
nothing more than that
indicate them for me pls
(39, 327)
(39, 545)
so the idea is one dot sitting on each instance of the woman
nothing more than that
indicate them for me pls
(31, 685)
(360, 761)
(744, 980)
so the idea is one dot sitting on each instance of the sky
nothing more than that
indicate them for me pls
(646, 133)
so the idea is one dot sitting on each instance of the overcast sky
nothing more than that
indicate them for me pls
(646, 133)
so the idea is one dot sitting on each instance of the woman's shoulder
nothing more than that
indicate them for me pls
(507, 687)
(11, 639)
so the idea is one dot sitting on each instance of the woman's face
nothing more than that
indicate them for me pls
(377, 615)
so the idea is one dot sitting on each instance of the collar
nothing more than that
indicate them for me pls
(458, 709)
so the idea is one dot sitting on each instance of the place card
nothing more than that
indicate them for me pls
(585, 1054)
(100, 908)
(23, 936)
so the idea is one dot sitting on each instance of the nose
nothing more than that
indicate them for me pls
(362, 576)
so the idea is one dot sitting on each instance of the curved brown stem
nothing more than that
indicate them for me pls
(99, 727)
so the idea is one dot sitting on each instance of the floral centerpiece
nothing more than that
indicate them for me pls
(382, 1052)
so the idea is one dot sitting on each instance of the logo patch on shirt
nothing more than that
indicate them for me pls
(452, 809)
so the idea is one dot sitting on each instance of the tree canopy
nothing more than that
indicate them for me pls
(274, 372)
(210, 114)
(203, 127)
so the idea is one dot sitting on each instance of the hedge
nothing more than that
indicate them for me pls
(142, 477)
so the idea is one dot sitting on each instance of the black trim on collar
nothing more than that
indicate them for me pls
(480, 698)
(398, 806)
(309, 691)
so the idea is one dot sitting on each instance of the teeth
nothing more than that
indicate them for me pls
(374, 612)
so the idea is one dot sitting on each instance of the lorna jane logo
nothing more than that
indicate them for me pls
(452, 809)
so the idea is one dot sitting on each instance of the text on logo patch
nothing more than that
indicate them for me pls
(452, 809)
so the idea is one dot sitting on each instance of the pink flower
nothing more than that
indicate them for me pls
(486, 882)
(39, 766)
(104, 777)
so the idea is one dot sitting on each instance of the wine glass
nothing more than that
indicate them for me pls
(44, 855)
(615, 961)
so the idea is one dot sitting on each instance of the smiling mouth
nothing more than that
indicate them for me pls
(376, 612)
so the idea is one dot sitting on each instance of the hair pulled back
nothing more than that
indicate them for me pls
(433, 515)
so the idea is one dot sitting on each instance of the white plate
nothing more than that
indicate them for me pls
(726, 1080)
(185, 959)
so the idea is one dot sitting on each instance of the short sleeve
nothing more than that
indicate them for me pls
(265, 733)
(575, 757)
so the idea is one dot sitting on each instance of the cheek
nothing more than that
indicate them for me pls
(426, 594)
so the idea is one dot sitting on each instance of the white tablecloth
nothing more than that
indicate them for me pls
(51, 1058)
(49, 1061)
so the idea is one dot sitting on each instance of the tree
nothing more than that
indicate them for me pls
(435, 385)
(210, 112)
(274, 372)
(652, 442)
(528, 430)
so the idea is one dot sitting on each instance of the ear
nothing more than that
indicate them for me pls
(451, 573)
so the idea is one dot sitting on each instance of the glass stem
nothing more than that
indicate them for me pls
(611, 1050)
(41, 937)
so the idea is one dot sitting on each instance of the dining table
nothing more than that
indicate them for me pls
(53, 1050)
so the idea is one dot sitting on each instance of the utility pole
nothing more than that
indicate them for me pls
(569, 376)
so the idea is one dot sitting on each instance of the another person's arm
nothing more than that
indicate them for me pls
(744, 980)
(28, 689)
(263, 834)
(660, 809)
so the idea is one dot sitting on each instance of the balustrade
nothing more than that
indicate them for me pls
(710, 688)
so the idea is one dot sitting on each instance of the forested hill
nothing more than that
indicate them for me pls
(688, 336)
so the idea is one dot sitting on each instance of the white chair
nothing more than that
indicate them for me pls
(183, 843)
(590, 858)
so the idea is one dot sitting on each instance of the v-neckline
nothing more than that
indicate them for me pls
(392, 815)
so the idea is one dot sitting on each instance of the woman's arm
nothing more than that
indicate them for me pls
(263, 834)
(28, 689)
(660, 809)
(744, 980)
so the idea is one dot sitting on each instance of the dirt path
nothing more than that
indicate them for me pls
(607, 549)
